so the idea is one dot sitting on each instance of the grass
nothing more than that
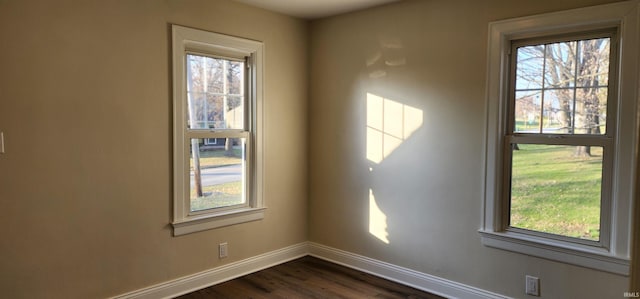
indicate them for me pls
(555, 192)
(217, 196)
(522, 125)
(220, 195)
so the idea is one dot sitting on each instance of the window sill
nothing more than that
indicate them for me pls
(570, 253)
(211, 221)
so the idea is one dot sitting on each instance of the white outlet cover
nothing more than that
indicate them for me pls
(532, 286)
(222, 250)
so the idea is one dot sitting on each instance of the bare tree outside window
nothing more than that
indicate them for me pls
(561, 88)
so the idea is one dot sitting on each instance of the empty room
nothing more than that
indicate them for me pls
(465, 149)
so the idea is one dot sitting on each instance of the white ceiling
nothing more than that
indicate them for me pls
(313, 9)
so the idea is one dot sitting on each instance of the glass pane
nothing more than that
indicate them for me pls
(527, 112)
(215, 76)
(558, 111)
(560, 65)
(234, 115)
(593, 67)
(221, 83)
(215, 117)
(591, 110)
(217, 176)
(198, 105)
(530, 61)
(235, 76)
(556, 189)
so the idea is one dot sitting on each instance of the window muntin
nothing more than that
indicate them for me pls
(216, 93)
(562, 87)
(558, 150)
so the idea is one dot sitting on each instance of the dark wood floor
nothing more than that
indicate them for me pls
(309, 277)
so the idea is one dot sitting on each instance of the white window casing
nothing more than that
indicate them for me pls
(188, 41)
(612, 253)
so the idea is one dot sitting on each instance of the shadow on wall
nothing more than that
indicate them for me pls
(389, 54)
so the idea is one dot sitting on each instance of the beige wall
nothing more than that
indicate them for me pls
(85, 185)
(85, 107)
(427, 187)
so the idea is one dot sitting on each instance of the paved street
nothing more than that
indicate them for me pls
(220, 175)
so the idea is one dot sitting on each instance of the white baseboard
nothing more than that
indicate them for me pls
(418, 280)
(218, 275)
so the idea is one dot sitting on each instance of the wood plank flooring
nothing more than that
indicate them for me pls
(309, 277)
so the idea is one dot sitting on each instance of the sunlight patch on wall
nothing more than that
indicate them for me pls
(389, 123)
(377, 220)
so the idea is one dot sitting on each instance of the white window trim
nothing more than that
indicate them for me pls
(187, 40)
(612, 257)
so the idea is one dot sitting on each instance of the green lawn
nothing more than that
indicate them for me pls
(217, 196)
(221, 195)
(522, 125)
(555, 192)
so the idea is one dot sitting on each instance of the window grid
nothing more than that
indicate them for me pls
(545, 85)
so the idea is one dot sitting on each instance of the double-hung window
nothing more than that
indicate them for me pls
(562, 135)
(217, 96)
(559, 142)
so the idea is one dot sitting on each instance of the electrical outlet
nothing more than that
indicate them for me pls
(532, 286)
(222, 250)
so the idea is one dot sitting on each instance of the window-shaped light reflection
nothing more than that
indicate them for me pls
(389, 123)
(377, 220)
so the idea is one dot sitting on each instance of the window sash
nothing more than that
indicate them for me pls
(197, 133)
(189, 134)
(203, 133)
(247, 95)
(605, 189)
(605, 141)
(611, 33)
(248, 202)
(560, 139)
